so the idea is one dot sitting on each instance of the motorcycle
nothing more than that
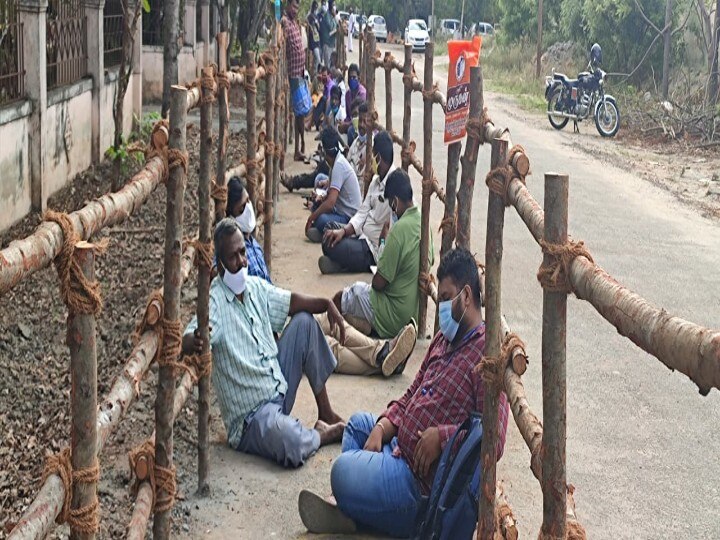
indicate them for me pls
(578, 99)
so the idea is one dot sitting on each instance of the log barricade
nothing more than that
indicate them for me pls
(567, 267)
(68, 490)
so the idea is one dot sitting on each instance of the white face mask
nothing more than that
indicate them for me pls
(236, 282)
(246, 220)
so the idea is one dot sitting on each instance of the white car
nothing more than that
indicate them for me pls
(416, 34)
(450, 28)
(482, 29)
(378, 27)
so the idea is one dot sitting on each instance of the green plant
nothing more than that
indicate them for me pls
(124, 156)
(144, 126)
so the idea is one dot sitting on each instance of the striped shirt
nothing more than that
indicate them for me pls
(246, 372)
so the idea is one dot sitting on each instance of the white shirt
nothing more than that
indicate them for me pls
(372, 215)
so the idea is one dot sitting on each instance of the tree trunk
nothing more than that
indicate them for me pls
(249, 23)
(667, 41)
(171, 50)
(714, 80)
(426, 182)
(538, 54)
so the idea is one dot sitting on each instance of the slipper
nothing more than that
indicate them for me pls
(321, 517)
(401, 350)
(306, 161)
(299, 157)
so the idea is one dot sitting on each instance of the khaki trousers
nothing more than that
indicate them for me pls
(357, 356)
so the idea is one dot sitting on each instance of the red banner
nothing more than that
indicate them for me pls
(463, 56)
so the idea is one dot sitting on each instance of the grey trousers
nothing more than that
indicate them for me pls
(270, 431)
(353, 254)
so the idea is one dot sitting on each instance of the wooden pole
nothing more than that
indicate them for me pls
(493, 333)
(269, 161)
(469, 161)
(361, 57)
(251, 136)
(427, 185)
(203, 300)
(553, 368)
(370, 87)
(83, 373)
(162, 524)
(388, 97)
(224, 125)
(538, 53)
(277, 117)
(453, 166)
(407, 102)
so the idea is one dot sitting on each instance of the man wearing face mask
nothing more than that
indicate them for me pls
(240, 208)
(392, 299)
(343, 197)
(356, 92)
(255, 378)
(355, 247)
(358, 143)
(401, 447)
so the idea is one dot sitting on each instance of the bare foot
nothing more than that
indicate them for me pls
(329, 433)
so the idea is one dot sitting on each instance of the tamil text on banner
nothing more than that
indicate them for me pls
(463, 56)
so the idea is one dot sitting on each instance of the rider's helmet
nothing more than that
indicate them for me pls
(596, 55)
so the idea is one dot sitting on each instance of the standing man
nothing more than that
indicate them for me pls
(295, 52)
(328, 27)
(313, 35)
(351, 27)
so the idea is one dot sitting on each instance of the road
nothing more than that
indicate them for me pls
(642, 444)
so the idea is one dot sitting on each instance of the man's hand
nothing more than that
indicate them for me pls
(385, 230)
(194, 344)
(336, 321)
(427, 450)
(332, 237)
(309, 223)
(374, 441)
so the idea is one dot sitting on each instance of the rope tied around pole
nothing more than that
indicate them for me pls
(426, 282)
(155, 301)
(218, 192)
(555, 276)
(172, 342)
(79, 294)
(429, 94)
(267, 61)
(198, 365)
(86, 519)
(474, 129)
(249, 80)
(492, 369)
(270, 148)
(207, 82)
(178, 158)
(159, 477)
(427, 185)
(223, 81)
(498, 181)
(204, 252)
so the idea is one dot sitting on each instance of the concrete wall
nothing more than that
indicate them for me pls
(189, 66)
(15, 194)
(67, 128)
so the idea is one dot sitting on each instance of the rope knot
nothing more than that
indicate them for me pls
(142, 464)
(223, 81)
(219, 193)
(203, 254)
(208, 85)
(491, 370)
(177, 159)
(172, 342)
(498, 181)
(555, 276)
(474, 127)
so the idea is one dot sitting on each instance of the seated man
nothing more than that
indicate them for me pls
(354, 248)
(255, 378)
(393, 298)
(241, 210)
(389, 462)
(356, 93)
(336, 112)
(358, 146)
(327, 83)
(343, 197)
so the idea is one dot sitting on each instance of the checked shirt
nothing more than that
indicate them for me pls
(444, 393)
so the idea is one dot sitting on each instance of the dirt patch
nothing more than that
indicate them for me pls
(34, 359)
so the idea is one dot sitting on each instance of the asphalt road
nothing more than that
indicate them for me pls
(643, 445)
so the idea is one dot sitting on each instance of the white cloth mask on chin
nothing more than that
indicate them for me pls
(237, 281)
(246, 220)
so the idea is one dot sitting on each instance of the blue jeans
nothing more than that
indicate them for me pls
(376, 490)
(322, 221)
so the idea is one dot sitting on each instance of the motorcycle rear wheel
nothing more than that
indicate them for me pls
(557, 123)
(607, 118)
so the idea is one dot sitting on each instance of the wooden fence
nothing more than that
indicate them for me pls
(566, 267)
(69, 488)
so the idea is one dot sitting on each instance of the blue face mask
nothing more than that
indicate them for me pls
(394, 218)
(448, 325)
(354, 84)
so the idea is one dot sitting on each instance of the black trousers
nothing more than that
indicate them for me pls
(352, 254)
(307, 180)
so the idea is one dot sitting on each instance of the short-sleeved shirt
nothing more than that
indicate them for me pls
(399, 264)
(246, 372)
(345, 181)
(256, 259)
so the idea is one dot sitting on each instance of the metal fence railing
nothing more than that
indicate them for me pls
(66, 42)
(12, 72)
(113, 27)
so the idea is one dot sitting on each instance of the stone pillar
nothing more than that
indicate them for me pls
(205, 28)
(190, 38)
(96, 69)
(32, 15)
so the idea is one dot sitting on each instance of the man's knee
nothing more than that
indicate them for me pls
(342, 476)
(302, 321)
(361, 421)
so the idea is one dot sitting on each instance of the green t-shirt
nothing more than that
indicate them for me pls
(399, 264)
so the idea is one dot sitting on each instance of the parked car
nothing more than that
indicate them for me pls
(416, 34)
(450, 28)
(378, 27)
(482, 29)
(344, 15)
(359, 25)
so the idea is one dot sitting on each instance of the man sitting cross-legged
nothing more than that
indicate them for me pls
(391, 301)
(256, 379)
(389, 462)
(355, 247)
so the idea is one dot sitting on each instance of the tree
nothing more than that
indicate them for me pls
(171, 50)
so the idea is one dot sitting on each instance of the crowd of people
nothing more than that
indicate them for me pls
(265, 338)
